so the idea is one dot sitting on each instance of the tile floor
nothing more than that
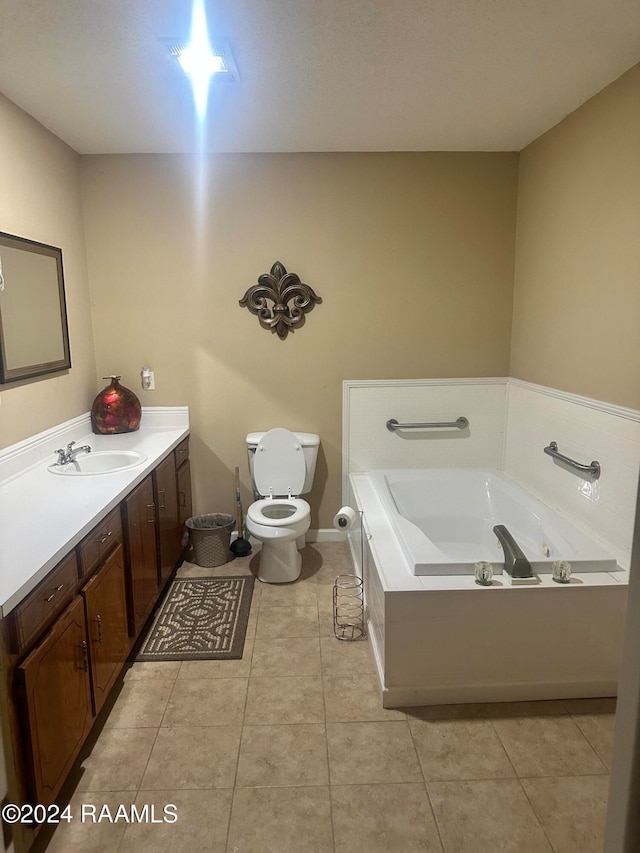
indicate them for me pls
(290, 751)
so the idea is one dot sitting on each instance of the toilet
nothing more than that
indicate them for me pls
(282, 465)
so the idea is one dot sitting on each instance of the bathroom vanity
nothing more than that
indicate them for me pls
(76, 595)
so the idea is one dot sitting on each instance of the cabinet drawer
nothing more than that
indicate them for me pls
(102, 539)
(182, 452)
(48, 599)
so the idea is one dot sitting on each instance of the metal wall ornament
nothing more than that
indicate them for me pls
(280, 300)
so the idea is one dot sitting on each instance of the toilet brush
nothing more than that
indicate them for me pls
(240, 547)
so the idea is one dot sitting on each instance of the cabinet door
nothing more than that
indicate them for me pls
(58, 701)
(183, 476)
(105, 600)
(169, 528)
(142, 574)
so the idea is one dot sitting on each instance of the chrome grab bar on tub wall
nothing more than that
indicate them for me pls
(592, 470)
(461, 423)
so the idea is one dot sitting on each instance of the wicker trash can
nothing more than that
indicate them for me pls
(210, 536)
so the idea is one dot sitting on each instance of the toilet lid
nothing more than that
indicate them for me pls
(279, 464)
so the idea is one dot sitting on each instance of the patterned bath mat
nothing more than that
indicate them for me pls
(200, 619)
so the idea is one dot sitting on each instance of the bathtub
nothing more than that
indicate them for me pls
(437, 636)
(444, 520)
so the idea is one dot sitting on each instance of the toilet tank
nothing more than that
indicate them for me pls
(309, 442)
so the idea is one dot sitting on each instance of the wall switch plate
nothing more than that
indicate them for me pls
(151, 386)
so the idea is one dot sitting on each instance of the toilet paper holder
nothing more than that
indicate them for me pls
(348, 608)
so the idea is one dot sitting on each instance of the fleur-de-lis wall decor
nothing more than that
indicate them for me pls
(280, 300)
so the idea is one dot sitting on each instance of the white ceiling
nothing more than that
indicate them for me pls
(317, 75)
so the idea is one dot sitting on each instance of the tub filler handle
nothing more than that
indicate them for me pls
(592, 470)
(460, 423)
(515, 562)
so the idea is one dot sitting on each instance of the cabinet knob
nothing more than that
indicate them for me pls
(98, 621)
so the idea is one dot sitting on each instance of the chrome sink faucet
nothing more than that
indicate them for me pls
(69, 455)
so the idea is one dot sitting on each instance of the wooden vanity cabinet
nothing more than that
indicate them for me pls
(39, 609)
(139, 521)
(183, 477)
(105, 601)
(63, 647)
(169, 529)
(56, 682)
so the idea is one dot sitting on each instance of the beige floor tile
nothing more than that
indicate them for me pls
(252, 622)
(278, 756)
(383, 819)
(85, 834)
(205, 669)
(271, 701)
(572, 811)
(294, 621)
(206, 702)
(144, 670)
(356, 698)
(219, 668)
(335, 560)
(459, 749)
(547, 746)
(201, 825)
(368, 753)
(117, 760)
(297, 656)
(345, 658)
(325, 614)
(301, 593)
(281, 820)
(485, 817)
(193, 757)
(598, 730)
(140, 704)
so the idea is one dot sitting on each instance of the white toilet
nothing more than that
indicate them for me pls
(282, 465)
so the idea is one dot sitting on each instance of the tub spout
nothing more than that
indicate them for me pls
(515, 562)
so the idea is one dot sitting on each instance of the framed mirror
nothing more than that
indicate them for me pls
(34, 338)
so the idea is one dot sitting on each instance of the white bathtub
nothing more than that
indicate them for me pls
(442, 638)
(444, 520)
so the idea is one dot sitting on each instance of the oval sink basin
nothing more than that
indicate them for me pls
(99, 462)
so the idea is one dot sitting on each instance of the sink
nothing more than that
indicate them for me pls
(99, 462)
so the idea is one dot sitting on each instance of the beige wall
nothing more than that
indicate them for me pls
(576, 317)
(40, 200)
(412, 255)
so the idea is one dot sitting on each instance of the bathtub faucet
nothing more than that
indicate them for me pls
(515, 562)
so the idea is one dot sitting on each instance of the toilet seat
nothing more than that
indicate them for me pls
(266, 511)
(279, 468)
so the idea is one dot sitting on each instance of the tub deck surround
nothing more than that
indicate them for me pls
(444, 519)
(510, 422)
(445, 639)
(45, 516)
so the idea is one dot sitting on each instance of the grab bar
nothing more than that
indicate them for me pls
(461, 423)
(593, 470)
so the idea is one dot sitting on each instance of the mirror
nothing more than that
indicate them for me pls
(34, 338)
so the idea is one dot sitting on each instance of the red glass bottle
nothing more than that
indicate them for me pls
(115, 409)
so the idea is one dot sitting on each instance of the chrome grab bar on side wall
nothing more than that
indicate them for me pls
(592, 470)
(461, 423)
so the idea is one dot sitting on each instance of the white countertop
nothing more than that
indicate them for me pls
(44, 516)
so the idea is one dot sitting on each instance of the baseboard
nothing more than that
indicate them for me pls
(325, 534)
(407, 696)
